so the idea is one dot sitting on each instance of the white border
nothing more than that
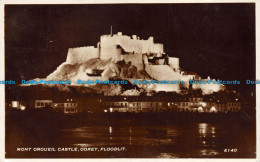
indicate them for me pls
(2, 70)
(2, 88)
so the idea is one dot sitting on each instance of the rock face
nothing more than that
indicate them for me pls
(126, 71)
(110, 70)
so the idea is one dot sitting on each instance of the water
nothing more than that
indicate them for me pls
(189, 140)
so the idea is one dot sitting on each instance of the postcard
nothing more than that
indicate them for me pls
(130, 80)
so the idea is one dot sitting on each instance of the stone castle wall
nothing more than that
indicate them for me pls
(81, 54)
(174, 63)
(109, 45)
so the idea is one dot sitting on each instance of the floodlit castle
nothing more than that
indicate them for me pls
(143, 59)
(120, 47)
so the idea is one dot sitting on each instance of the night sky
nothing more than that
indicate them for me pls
(210, 39)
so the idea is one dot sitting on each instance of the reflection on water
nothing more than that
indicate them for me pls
(167, 155)
(207, 134)
(195, 140)
(110, 130)
(208, 139)
(206, 130)
(138, 135)
(181, 140)
(208, 152)
(203, 129)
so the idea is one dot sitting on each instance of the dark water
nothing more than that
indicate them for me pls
(125, 139)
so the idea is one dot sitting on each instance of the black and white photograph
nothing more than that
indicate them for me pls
(130, 80)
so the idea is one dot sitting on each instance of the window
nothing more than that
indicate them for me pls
(38, 104)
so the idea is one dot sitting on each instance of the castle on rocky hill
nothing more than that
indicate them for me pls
(144, 59)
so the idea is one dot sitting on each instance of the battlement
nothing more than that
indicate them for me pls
(132, 44)
(120, 34)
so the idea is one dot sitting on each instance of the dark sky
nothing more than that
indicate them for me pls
(210, 39)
